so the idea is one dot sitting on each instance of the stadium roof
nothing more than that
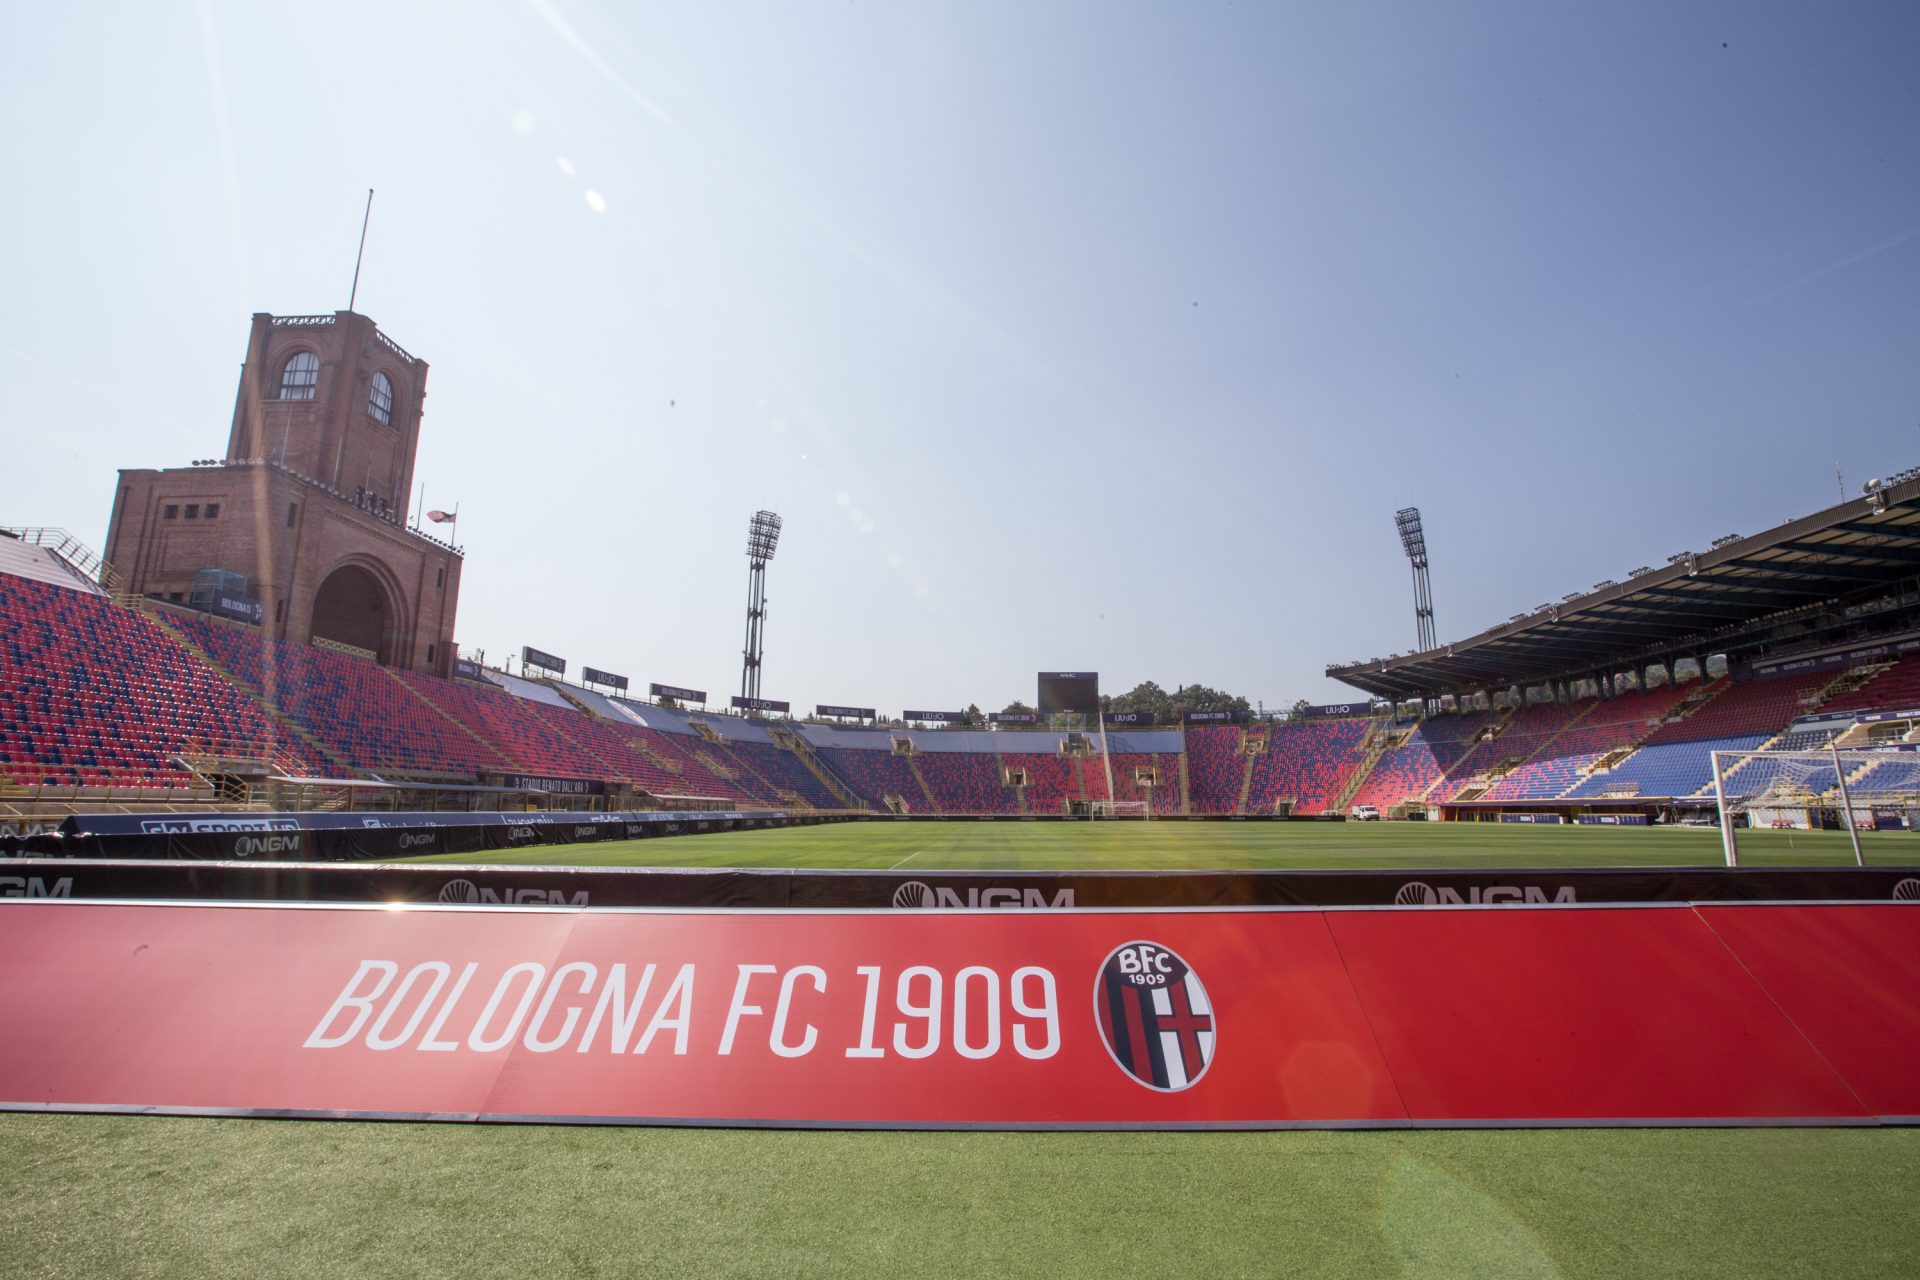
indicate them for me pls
(1713, 601)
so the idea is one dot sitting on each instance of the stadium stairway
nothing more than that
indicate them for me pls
(803, 752)
(1246, 776)
(316, 750)
(1186, 790)
(421, 689)
(1019, 793)
(1372, 747)
(920, 779)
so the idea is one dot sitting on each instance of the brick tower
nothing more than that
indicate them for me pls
(310, 503)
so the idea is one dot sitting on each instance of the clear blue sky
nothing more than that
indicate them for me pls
(1064, 336)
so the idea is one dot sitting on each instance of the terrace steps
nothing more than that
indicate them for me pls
(450, 718)
(294, 731)
(1019, 793)
(1372, 747)
(926, 792)
(803, 751)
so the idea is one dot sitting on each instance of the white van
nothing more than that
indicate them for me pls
(1364, 813)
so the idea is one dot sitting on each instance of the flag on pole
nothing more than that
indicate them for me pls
(439, 517)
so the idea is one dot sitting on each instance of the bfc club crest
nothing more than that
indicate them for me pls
(1154, 1016)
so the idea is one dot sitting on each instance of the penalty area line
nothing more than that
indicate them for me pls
(904, 861)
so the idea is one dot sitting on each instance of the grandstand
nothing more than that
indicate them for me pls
(1615, 701)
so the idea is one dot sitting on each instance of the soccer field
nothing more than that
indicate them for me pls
(1209, 846)
(153, 1196)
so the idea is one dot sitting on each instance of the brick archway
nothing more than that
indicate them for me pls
(358, 603)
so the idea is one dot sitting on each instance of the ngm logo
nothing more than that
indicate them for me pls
(467, 893)
(35, 887)
(916, 895)
(418, 840)
(252, 846)
(1907, 890)
(1416, 893)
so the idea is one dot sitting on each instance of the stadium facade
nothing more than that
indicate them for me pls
(304, 521)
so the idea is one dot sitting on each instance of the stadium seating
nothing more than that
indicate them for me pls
(1898, 775)
(780, 774)
(93, 694)
(1429, 753)
(1555, 762)
(873, 775)
(1677, 758)
(1166, 796)
(535, 737)
(1895, 689)
(966, 782)
(368, 720)
(1051, 780)
(1215, 767)
(1306, 763)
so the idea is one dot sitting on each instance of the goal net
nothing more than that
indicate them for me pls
(1121, 809)
(1853, 790)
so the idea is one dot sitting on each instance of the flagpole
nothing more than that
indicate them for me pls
(364, 219)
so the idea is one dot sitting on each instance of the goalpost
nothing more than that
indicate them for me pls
(1812, 790)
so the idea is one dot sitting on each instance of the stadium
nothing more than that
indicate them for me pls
(352, 924)
(1606, 709)
(1739, 726)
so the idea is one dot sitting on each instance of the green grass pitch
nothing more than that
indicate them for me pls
(153, 1196)
(1089, 846)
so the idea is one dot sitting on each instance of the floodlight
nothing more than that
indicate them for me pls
(763, 535)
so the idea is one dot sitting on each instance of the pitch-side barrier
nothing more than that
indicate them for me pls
(828, 890)
(348, 836)
(1729, 1014)
(352, 836)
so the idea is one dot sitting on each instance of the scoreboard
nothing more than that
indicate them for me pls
(1072, 691)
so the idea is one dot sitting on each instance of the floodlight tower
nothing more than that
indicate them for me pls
(763, 535)
(1413, 540)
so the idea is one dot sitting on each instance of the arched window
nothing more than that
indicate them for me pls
(380, 399)
(301, 376)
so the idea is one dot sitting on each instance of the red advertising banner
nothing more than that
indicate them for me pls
(953, 1020)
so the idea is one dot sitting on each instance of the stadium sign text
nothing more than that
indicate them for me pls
(35, 887)
(1416, 893)
(467, 893)
(917, 895)
(1033, 1020)
(759, 704)
(532, 657)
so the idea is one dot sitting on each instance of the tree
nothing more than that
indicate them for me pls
(1146, 696)
(1166, 708)
(1016, 707)
(1198, 697)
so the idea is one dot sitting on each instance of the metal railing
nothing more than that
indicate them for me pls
(77, 554)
